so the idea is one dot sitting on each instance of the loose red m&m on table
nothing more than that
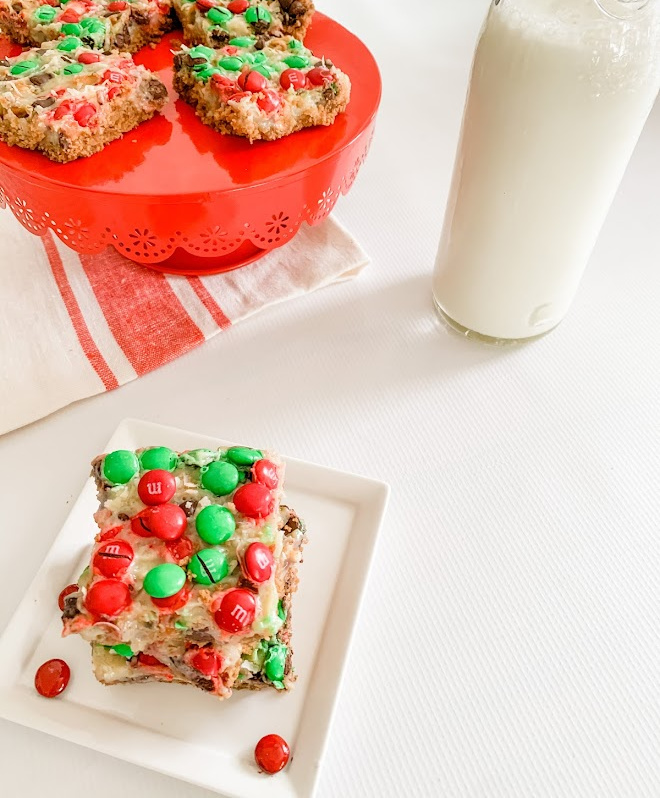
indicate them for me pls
(236, 611)
(207, 661)
(107, 597)
(258, 562)
(67, 591)
(265, 472)
(52, 678)
(272, 753)
(254, 500)
(156, 487)
(113, 557)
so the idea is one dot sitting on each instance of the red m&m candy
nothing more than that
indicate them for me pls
(113, 557)
(107, 597)
(112, 76)
(253, 500)
(264, 471)
(68, 590)
(236, 611)
(167, 521)
(258, 562)
(52, 678)
(120, 5)
(206, 5)
(252, 81)
(149, 661)
(84, 114)
(272, 753)
(140, 524)
(320, 76)
(238, 6)
(70, 15)
(293, 78)
(207, 661)
(89, 58)
(180, 549)
(269, 101)
(175, 602)
(156, 487)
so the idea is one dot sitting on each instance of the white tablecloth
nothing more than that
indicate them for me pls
(526, 482)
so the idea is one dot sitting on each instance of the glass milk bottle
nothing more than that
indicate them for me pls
(559, 93)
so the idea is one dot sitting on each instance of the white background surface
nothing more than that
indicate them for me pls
(509, 644)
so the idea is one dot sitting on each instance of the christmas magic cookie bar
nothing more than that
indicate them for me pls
(68, 101)
(215, 22)
(107, 25)
(192, 571)
(260, 91)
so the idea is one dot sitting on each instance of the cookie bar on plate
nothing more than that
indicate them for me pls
(192, 572)
(68, 101)
(260, 91)
(101, 24)
(215, 22)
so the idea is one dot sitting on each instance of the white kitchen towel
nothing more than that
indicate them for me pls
(72, 326)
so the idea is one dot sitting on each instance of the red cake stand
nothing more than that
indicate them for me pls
(179, 197)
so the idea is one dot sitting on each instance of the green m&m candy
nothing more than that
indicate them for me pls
(73, 69)
(262, 69)
(294, 44)
(158, 457)
(209, 566)
(257, 14)
(242, 41)
(123, 649)
(72, 29)
(275, 662)
(231, 63)
(281, 612)
(45, 14)
(296, 61)
(93, 25)
(242, 456)
(200, 52)
(206, 71)
(219, 15)
(215, 524)
(120, 467)
(220, 478)
(69, 43)
(198, 457)
(164, 580)
(23, 66)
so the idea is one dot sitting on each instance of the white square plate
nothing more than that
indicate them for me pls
(175, 729)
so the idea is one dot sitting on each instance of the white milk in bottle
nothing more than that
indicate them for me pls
(559, 93)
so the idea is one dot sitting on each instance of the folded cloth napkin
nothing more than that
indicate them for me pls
(73, 326)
